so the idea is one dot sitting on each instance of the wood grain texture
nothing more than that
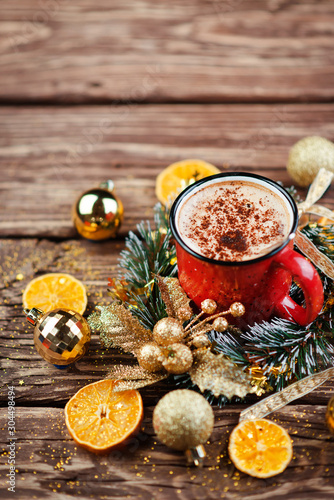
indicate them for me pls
(49, 156)
(147, 51)
(50, 465)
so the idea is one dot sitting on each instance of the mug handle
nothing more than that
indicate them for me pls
(305, 275)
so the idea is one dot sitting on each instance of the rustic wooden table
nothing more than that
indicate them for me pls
(96, 90)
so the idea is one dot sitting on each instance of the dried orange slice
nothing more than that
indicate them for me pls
(49, 291)
(173, 179)
(260, 448)
(99, 418)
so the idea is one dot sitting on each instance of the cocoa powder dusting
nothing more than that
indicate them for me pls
(233, 226)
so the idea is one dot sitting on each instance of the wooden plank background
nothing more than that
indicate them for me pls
(167, 51)
(98, 90)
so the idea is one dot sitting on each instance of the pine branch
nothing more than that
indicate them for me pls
(150, 253)
(227, 344)
(285, 351)
(148, 309)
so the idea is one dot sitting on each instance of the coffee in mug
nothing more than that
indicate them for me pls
(234, 243)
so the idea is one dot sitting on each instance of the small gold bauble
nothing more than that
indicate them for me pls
(237, 309)
(201, 341)
(308, 156)
(220, 324)
(330, 415)
(178, 359)
(184, 313)
(61, 336)
(183, 419)
(98, 213)
(208, 306)
(168, 331)
(149, 356)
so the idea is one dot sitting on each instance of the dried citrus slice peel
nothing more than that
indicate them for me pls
(99, 418)
(260, 448)
(173, 179)
(49, 291)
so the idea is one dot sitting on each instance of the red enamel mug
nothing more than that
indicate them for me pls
(262, 284)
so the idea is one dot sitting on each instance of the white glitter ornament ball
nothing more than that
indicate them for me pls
(308, 156)
(183, 419)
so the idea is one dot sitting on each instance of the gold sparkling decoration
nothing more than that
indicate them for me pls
(61, 336)
(149, 356)
(237, 309)
(168, 331)
(183, 419)
(133, 377)
(208, 306)
(200, 341)
(175, 298)
(308, 156)
(119, 328)
(219, 375)
(184, 314)
(170, 348)
(177, 358)
(220, 324)
(98, 213)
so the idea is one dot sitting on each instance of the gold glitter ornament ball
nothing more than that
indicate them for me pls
(208, 306)
(220, 324)
(178, 359)
(61, 336)
(308, 156)
(168, 331)
(149, 357)
(98, 213)
(183, 419)
(237, 309)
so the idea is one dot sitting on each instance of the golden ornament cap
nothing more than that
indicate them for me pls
(98, 213)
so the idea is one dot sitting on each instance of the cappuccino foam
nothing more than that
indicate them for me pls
(234, 221)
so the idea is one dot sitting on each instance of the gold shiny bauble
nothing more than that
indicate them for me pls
(168, 331)
(184, 313)
(98, 213)
(177, 359)
(330, 415)
(149, 356)
(220, 324)
(201, 340)
(60, 336)
(183, 419)
(308, 156)
(237, 309)
(208, 306)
